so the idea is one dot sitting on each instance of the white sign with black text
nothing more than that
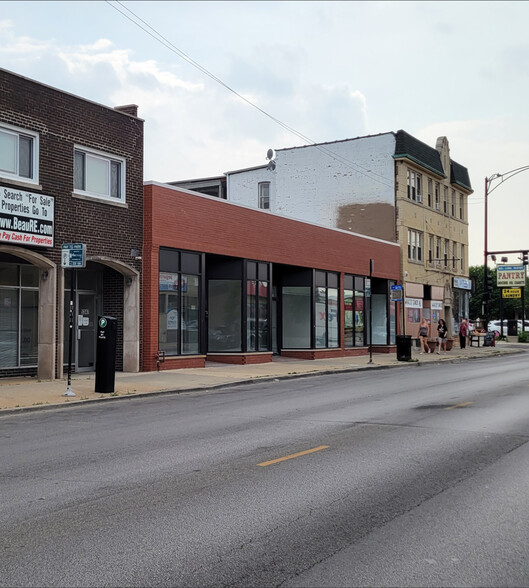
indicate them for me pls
(26, 218)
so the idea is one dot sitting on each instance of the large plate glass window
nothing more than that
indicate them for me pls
(18, 154)
(354, 305)
(99, 175)
(257, 314)
(327, 318)
(19, 305)
(179, 302)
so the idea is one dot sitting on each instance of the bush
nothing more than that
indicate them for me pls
(523, 337)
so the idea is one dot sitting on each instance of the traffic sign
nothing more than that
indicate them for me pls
(396, 293)
(73, 255)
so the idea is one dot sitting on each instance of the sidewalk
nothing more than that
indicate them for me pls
(20, 394)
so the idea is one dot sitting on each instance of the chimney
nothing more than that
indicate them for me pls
(131, 109)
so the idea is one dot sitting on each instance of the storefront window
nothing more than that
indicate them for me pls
(348, 318)
(19, 303)
(179, 303)
(333, 323)
(190, 316)
(321, 317)
(326, 316)
(224, 333)
(359, 318)
(257, 315)
(296, 317)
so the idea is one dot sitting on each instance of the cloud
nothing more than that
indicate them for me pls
(487, 147)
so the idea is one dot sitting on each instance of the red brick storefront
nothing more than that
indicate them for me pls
(187, 221)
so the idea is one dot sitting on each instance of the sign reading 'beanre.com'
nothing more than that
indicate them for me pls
(26, 218)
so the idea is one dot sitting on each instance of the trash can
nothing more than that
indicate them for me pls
(512, 327)
(107, 327)
(403, 347)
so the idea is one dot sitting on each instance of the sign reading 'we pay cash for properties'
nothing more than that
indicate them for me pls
(26, 218)
(510, 275)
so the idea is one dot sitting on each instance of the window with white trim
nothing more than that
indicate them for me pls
(454, 256)
(414, 186)
(462, 257)
(415, 245)
(437, 201)
(446, 252)
(99, 175)
(430, 191)
(431, 250)
(445, 199)
(453, 203)
(461, 204)
(19, 154)
(264, 195)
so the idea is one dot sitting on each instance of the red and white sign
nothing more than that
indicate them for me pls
(26, 218)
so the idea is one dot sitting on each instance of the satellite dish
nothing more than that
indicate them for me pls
(271, 165)
(270, 154)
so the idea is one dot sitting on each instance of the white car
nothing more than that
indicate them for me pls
(495, 326)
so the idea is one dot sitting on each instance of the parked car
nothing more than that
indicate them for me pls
(495, 326)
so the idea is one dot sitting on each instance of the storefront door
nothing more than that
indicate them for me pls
(86, 336)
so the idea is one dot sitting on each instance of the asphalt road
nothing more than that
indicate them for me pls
(401, 477)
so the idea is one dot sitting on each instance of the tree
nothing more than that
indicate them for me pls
(512, 307)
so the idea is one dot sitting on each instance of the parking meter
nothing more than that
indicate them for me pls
(107, 327)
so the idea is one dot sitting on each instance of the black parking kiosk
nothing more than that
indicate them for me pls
(107, 327)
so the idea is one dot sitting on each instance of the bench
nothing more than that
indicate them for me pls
(474, 337)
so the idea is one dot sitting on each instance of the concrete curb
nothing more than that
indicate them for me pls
(246, 382)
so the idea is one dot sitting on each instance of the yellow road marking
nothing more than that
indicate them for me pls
(458, 405)
(279, 459)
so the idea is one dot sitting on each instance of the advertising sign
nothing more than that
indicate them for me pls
(511, 292)
(26, 218)
(510, 275)
(463, 283)
(436, 305)
(413, 302)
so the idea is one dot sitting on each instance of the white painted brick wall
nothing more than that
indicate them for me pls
(308, 184)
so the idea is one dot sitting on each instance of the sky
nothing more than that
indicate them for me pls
(328, 70)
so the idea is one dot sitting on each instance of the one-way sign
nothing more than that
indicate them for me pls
(73, 255)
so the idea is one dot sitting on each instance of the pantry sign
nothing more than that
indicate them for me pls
(510, 275)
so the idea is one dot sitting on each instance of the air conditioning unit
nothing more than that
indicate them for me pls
(437, 206)
(419, 198)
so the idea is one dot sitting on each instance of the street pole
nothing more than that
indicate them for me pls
(486, 293)
(371, 263)
(69, 391)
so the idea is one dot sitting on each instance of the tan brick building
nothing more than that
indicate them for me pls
(431, 197)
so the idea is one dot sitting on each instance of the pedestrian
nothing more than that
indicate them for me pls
(442, 330)
(463, 332)
(424, 329)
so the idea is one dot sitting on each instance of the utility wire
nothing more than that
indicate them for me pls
(161, 39)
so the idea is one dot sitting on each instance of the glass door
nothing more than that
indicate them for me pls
(86, 335)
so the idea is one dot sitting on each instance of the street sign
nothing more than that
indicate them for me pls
(396, 293)
(511, 292)
(510, 275)
(73, 255)
(368, 287)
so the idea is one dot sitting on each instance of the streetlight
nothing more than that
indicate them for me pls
(488, 182)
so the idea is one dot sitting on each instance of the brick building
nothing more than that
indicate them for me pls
(234, 284)
(70, 172)
(390, 186)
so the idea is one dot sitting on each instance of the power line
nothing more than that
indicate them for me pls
(151, 31)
